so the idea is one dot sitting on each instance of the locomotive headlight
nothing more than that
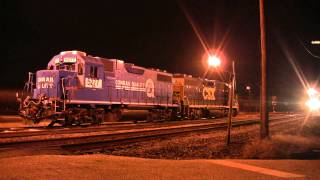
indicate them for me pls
(313, 104)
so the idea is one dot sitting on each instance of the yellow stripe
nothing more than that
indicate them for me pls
(256, 169)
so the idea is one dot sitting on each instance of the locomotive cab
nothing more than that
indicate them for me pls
(67, 76)
(65, 72)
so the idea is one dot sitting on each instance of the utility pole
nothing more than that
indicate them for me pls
(264, 129)
(231, 97)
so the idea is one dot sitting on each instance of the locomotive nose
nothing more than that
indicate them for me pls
(46, 83)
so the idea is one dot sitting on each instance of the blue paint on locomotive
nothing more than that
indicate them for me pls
(93, 80)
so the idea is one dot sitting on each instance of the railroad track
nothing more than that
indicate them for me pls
(98, 145)
(96, 142)
(40, 131)
(43, 130)
(25, 129)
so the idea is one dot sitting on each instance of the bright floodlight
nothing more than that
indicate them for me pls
(313, 104)
(312, 92)
(248, 88)
(214, 61)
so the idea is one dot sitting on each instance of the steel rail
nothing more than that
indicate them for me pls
(93, 146)
(110, 127)
(68, 142)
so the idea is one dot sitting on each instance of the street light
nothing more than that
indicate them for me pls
(313, 102)
(214, 61)
(311, 92)
(315, 42)
(248, 88)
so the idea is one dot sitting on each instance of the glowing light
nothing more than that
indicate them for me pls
(214, 61)
(313, 104)
(315, 42)
(74, 52)
(69, 60)
(248, 88)
(57, 60)
(311, 92)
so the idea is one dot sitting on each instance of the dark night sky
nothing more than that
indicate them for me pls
(158, 34)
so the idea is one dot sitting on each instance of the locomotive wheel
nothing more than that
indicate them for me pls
(66, 123)
(196, 114)
(68, 120)
(149, 116)
(225, 113)
(234, 112)
(74, 116)
(154, 115)
(108, 116)
(116, 114)
(99, 116)
(168, 113)
(205, 113)
(192, 114)
(53, 121)
(173, 115)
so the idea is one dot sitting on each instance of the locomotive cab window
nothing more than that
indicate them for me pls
(93, 71)
(70, 67)
(80, 69)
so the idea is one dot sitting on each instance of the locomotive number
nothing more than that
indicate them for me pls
(93, 83)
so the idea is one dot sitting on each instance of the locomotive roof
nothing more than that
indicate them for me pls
(196, 80)
(190, 77)
(81, 56)
(93, 60)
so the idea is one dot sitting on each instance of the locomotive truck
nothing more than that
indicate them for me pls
(78, 88)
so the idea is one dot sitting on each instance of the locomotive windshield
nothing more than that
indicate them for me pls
(67, 67)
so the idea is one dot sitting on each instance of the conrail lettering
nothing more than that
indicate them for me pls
(147, 87)
(123, 83)
(130, 85)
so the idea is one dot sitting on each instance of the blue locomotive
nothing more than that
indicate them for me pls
(78, 88)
